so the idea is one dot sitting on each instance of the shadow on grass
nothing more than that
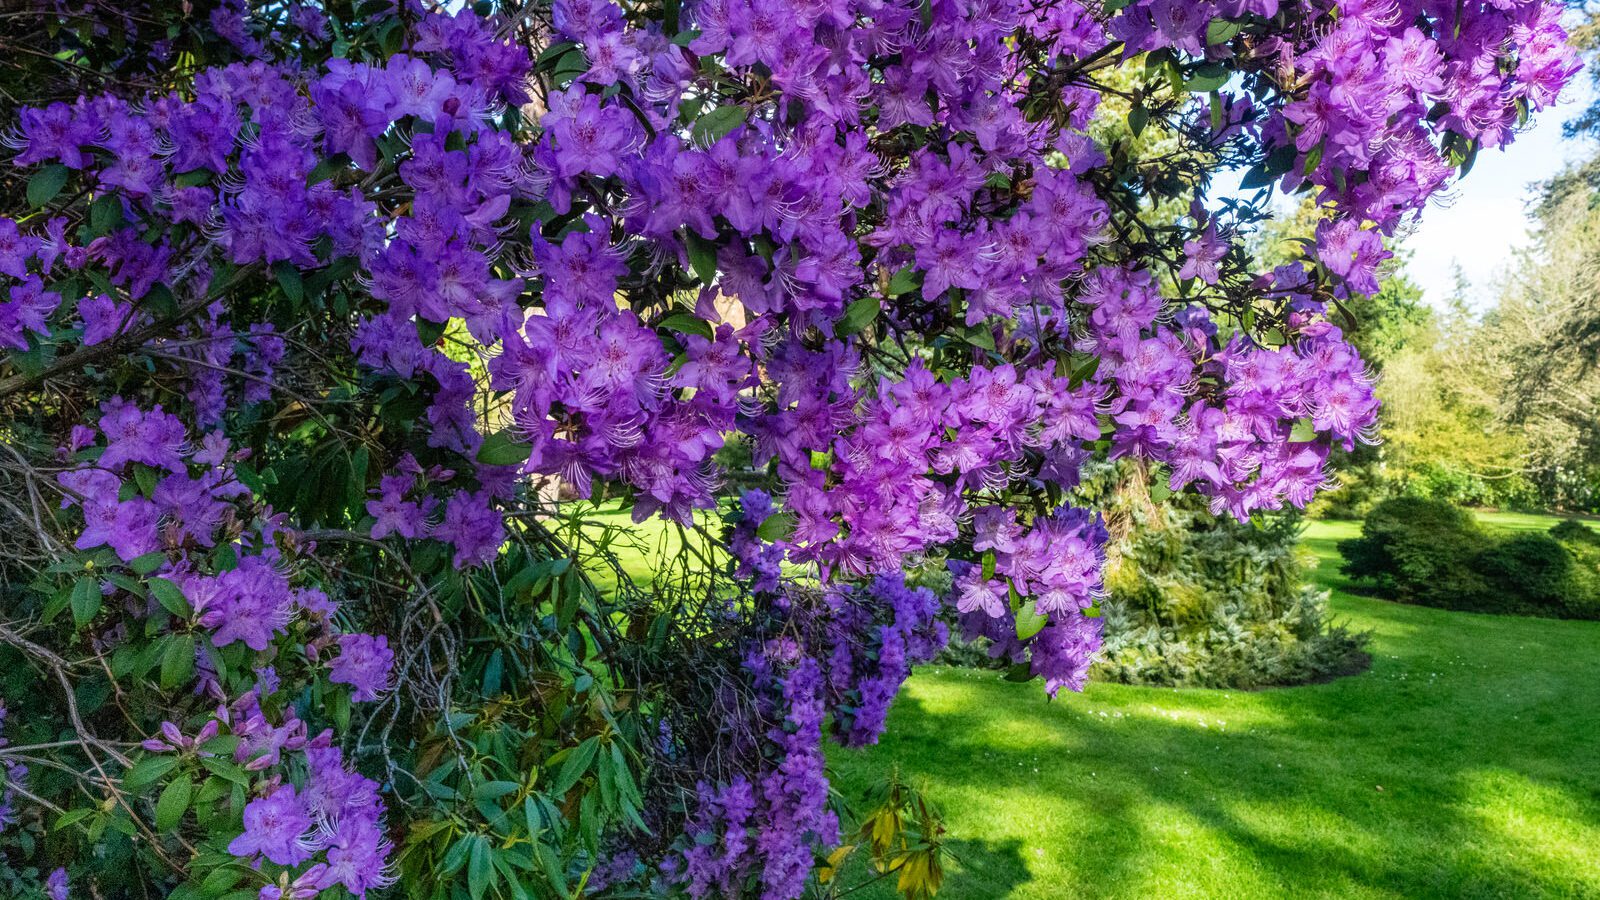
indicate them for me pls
(1384, 785)
(996, 865)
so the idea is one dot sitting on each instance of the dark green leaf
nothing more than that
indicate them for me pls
(480, 868)
(86, 600)
(105, 214)
(170, 596)
(289, 280)
(858, 315)
(702, 257)
(494, 790)
(148, 771)
(1138, 118)
(429, 332)
(147, 563)
(504, 449)
(174, 801)
(46, 184)
(711, 127)
(576, 765)
(1220, 31)
(1207, 77)
(177, 661)
(777, 527)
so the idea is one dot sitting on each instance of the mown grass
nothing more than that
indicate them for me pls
(1463, 764)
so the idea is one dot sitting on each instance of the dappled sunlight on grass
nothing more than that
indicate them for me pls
(1550, 827)
(1461, 764)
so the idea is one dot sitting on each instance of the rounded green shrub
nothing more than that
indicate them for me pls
(1528, 573)
(1432, 553)
(1421, 551)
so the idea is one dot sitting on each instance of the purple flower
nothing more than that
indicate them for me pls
(393, 513)
(130, 527)
(473, 527)
(30, 305)
(274, 827)
(55, 887)
(154, 438)
(1202, 254)
(364, 662)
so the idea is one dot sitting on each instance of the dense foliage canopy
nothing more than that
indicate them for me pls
(313, 313)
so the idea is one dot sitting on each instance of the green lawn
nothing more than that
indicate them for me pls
(1466, 763)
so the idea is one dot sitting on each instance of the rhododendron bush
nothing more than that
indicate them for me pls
(324, 327)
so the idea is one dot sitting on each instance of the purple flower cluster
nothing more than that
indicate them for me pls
(197, 503)
(336, 819)
(1376, 96)
(833, 659)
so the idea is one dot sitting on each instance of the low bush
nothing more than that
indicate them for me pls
(1418, 549)
(1203, 602)
(1431, 553)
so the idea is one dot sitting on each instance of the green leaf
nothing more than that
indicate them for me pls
(1220, 31)
(71, 817)
(480, 867)
(685, 323)
(221, 744)
(1029, 621)
(1138, 118)
(46, 184)
(979, 336)
(1258, 176)
(1085, 372)
(145, 477)
(223, 768)
(193, 178)
(504, 449)
(170, 596)
(177, 661)
(86, 600)
(902, 282)
(148, 771)
(174, 801)
(1207, 77)
(289, 280)
(569, 66)
(711, 127)
(428, 331)
(144, 565)
(702, 257)
(576, 765)
(105, 214)
(494, 790)
(858, 315)
(777, 527)
(1314, 157)
(1020, 672)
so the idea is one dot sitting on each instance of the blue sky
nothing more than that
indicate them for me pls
(1483, 218)
(1480, 222)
